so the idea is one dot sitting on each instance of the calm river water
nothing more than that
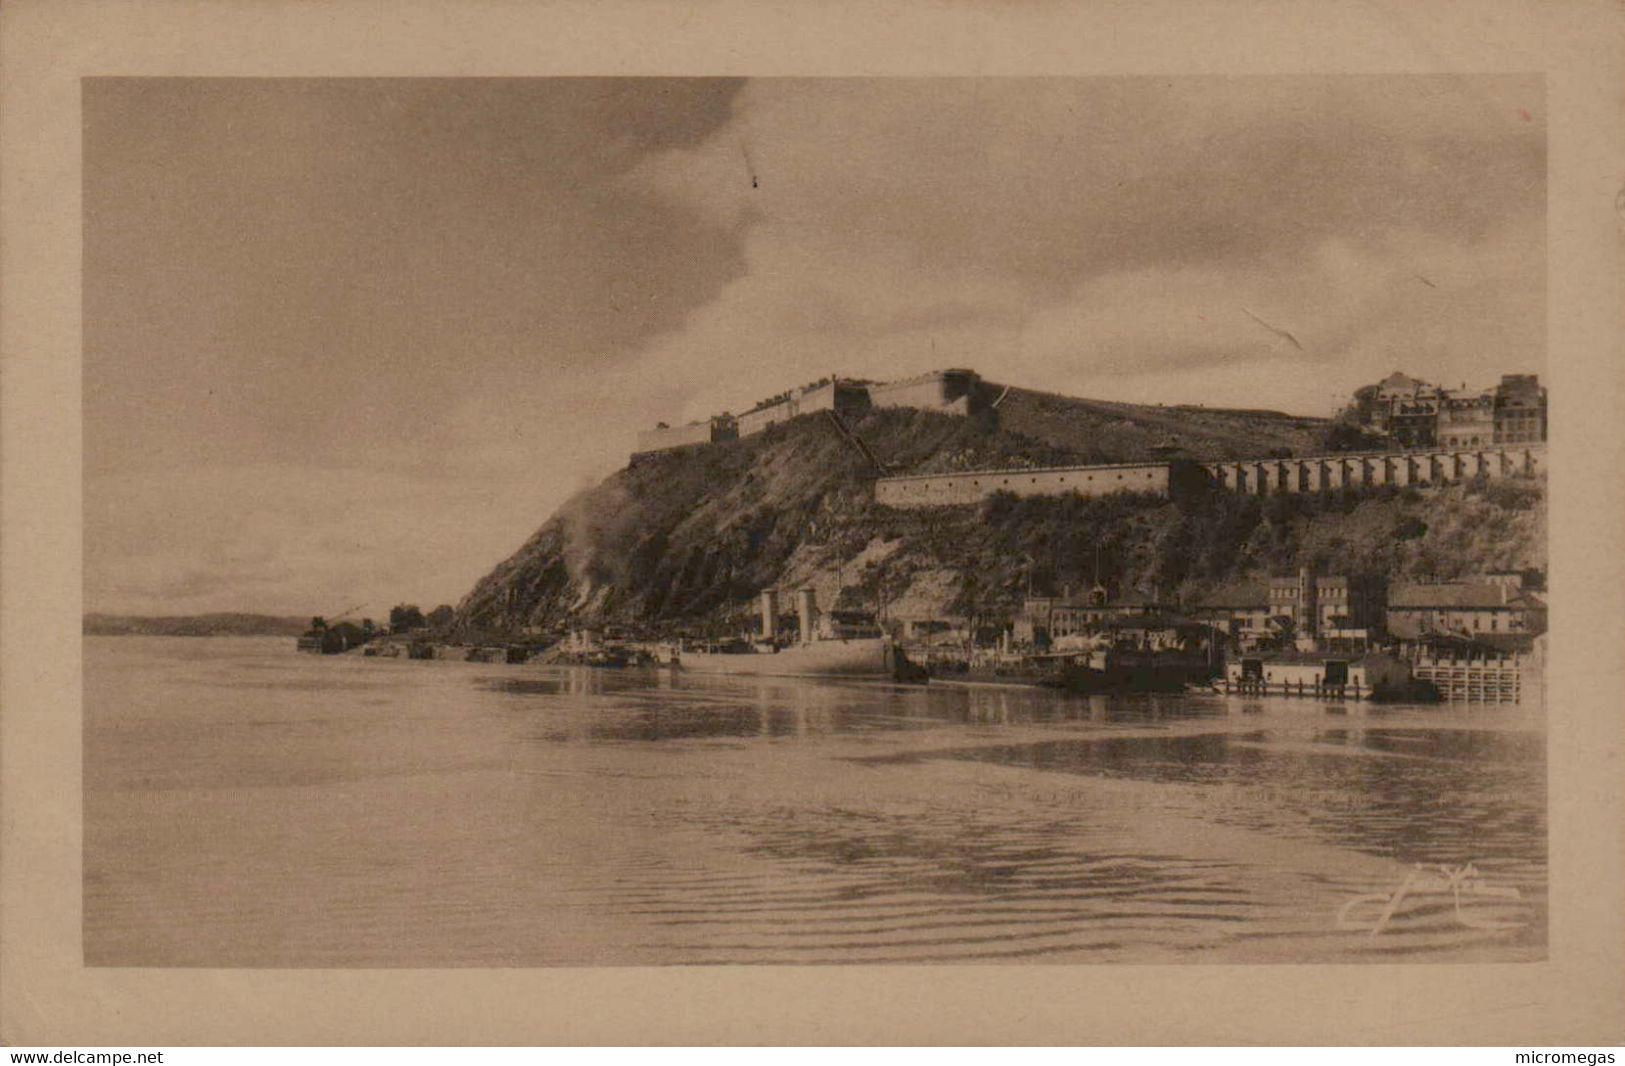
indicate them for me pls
(249, 806)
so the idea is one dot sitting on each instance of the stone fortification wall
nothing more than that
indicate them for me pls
(1318, 473)
(755, 421)
(661, 439)
(1258, 476)
(839, 396)
(939, 490)
(949, 391)
(764, 416)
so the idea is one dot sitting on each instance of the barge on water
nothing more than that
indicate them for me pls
(1107, 670)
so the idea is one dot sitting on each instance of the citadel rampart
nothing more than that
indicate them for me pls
(663, 438)
(953, 391)
(950, 391)
(840, 396)
(1262, 477)
(1317, 473)
(940, 490)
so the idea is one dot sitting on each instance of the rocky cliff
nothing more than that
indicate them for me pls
(686, 539)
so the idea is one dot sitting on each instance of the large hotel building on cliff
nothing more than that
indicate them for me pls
(1417, 414)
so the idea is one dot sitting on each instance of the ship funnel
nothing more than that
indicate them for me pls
(804, 610)
(770, 614)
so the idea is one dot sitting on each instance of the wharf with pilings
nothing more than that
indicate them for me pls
(1475, 683)
(1307, 690)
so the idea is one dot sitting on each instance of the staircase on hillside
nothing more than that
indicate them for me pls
(851, 437)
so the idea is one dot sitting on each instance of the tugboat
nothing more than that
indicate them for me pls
(1143, 653)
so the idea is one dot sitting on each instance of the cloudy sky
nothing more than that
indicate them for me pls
(351, 341)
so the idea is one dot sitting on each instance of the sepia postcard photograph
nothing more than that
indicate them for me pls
(627, 521)
(1016, 521)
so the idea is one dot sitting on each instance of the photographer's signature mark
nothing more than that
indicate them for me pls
(1460, 882)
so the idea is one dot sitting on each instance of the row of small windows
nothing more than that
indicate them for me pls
(977, 482)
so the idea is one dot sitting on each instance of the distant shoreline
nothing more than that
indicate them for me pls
(223, 624)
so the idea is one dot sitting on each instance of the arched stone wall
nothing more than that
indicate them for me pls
(1264, 477)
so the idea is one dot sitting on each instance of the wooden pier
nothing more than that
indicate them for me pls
(1305, 689)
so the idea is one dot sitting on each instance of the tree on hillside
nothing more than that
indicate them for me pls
(1347, 437)
(441, 617)
(403, 617)
(1364, 405)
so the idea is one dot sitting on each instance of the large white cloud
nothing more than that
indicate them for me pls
(1132, 239)
(1120, 235)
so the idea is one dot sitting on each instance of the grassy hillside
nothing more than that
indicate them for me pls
(688, 538)
(1122, 432)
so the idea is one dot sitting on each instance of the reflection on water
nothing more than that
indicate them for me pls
(1449, 796)
(249, 806)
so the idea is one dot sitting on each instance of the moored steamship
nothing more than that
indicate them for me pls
(826, 646)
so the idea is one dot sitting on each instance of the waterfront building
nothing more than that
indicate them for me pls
(1332, 607)
(1488, 668)
(1479, 607)
(1043, 619)
(1316, 673)
(1240, 610)
(1157, 633)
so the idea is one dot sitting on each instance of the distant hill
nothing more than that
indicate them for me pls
(685, 539)
(194, 625)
